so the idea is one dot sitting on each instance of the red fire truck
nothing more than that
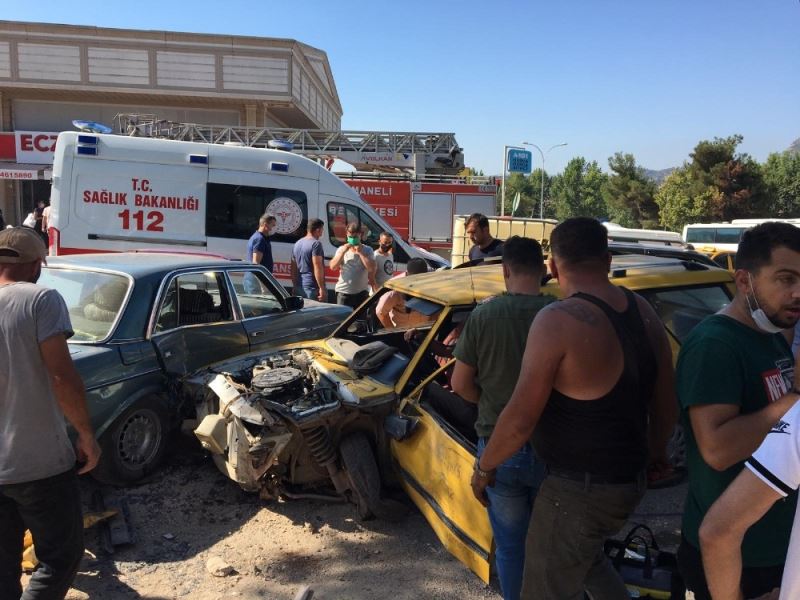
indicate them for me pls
(422, 211)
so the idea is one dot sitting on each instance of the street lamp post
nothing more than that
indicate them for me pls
(542, 154)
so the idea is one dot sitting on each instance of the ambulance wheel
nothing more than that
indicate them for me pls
(134, 444)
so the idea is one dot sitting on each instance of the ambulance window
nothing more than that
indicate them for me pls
(340, 215)
(233, 211)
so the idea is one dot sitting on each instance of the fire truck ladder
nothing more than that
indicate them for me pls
(418, 153)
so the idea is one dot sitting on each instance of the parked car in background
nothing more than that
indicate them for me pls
(342, 416)
(140, 318)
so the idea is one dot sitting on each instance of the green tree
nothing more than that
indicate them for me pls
(718, 184)
(535, 187)
(735, 180)
(681, 200)
(629, 193)
(518, 183)
(782, 181)
(578, 191)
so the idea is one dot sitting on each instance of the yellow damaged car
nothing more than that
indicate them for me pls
(367, 407)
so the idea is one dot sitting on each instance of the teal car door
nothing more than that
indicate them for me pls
(196, 324)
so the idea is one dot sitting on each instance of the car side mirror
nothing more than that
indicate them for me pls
(294, 303)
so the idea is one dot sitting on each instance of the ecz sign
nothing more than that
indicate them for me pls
(37, 147)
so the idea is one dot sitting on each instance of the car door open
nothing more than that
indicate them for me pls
(435, 464)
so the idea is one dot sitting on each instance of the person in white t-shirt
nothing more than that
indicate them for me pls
(772, 474)
(384, 259)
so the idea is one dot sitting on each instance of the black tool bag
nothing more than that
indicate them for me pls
(645, 568)
(371, 357)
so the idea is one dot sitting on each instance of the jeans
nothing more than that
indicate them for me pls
(311, 293)
(564, 550)
(51, 509)
(510, 503)
(755, 582)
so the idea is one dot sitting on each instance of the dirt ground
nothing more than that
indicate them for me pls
(188, 512)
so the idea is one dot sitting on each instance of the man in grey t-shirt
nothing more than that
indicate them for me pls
(38, 483)
(356, 264)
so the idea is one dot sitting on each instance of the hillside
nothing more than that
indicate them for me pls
(658, 175)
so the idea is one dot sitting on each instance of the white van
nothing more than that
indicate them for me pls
(113, 193)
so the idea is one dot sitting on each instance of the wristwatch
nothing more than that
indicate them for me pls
(481, 473)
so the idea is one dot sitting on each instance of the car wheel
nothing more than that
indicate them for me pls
(362, 471)
(676, 448)
(134, 444)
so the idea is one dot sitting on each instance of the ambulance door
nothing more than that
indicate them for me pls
(117, 205)
(237, 199)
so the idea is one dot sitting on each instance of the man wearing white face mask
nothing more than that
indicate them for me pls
(735, 379)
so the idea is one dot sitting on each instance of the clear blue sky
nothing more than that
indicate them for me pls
(647, 77)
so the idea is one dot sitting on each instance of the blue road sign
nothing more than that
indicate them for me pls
(519, 161)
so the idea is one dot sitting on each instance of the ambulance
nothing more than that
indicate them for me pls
(113, 193)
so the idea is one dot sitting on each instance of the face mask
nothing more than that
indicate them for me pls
(353, 241)
(386, 247)
(758, 315)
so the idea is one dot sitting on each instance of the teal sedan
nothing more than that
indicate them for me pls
(143, 320)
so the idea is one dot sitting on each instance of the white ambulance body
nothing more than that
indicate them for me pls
(113, 193)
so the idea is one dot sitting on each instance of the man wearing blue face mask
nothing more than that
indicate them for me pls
(356, 265)
(735, 380)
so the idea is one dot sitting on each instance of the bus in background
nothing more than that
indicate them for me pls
(618, 233)
(721, 240)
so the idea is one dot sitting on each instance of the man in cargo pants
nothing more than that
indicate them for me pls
(38, 487)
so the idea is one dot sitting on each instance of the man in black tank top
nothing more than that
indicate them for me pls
(596, 395)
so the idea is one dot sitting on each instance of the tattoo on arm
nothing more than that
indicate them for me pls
(579, 311)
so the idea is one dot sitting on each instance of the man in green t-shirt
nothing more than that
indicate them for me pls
(488, 356)
(735, 380)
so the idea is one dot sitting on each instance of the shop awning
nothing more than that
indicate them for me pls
(25, 171)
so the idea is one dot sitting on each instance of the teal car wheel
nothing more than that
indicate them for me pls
(134, 445)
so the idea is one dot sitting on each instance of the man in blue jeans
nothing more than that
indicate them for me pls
(38, 487)
(308, 266)
(488, 356)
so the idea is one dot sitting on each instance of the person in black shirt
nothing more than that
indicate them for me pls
(595, 417)
(478, 231)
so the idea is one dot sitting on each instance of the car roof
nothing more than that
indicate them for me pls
(141, 263)
(635, 271)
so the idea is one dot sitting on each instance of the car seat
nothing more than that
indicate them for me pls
(106, 301)
(196, 306)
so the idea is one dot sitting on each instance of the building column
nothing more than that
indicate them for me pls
(250, 115)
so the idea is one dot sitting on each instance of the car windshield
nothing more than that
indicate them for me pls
(680, 309)
(94, 299)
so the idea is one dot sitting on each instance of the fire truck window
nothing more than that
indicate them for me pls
(233, 211)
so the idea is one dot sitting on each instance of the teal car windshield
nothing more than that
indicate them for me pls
(94, 299)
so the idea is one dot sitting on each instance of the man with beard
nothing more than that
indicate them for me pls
(38, 483)
(595, 395)
(735, 380)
